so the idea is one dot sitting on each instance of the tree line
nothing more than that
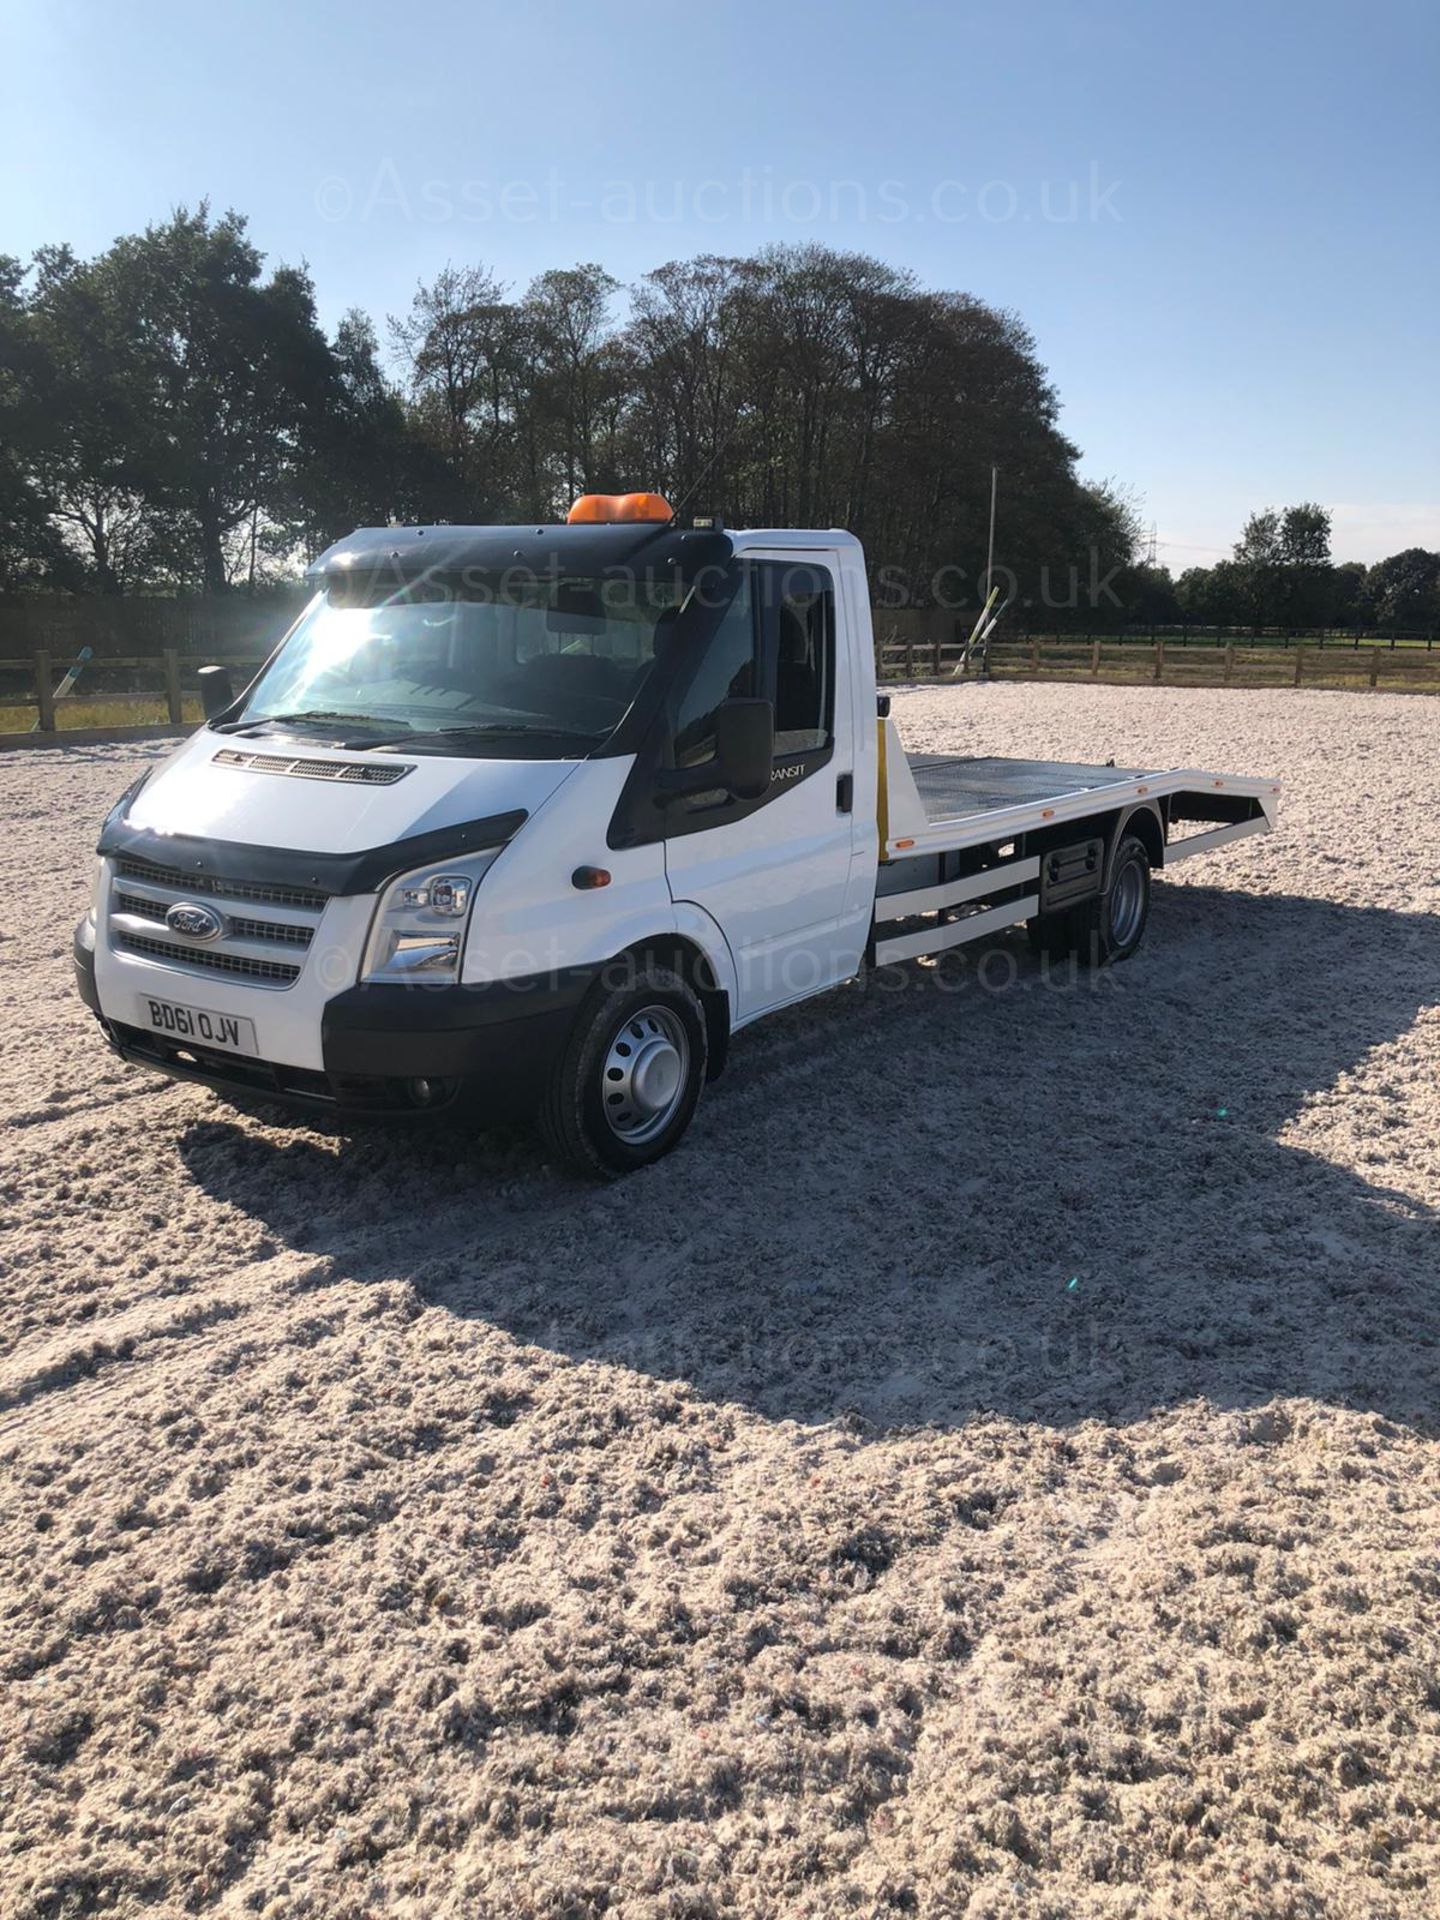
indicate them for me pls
(1281, 574)
(174, 418)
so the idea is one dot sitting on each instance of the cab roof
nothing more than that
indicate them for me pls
(591, 551)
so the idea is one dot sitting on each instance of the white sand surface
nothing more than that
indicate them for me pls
(990, 1470)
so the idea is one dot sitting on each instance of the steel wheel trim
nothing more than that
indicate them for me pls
(644, 1074)
(1127, 903)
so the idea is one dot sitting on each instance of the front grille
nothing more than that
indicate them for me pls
(210, 958)
(363, 773)
(239, 924)
(264, 945)
(269, 930)
(187, 885)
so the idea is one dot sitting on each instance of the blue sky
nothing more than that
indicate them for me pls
(1220, 222)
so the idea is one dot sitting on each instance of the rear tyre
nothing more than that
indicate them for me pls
(1108, 928)
(627, 1084)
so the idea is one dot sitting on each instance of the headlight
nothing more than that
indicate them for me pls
(419, 928)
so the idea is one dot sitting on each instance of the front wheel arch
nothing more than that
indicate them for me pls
(697, 970)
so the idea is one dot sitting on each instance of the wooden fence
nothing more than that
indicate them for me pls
(119, 695)
(125, 693)
(1401, 668)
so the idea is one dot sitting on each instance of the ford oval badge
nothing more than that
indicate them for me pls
(194, 920)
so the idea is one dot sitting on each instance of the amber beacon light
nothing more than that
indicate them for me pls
(601, 509)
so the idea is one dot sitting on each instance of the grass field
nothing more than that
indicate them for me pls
(1399, 670)
(119, 710)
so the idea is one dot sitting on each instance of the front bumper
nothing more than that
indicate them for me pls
(388, 1051)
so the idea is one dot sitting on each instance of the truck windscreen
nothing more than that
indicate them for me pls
(468, 669)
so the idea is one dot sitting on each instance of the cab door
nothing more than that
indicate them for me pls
(776, 876)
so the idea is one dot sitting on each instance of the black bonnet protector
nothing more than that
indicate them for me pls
(367, 561)
(332, 873)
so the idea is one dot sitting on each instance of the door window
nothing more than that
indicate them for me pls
(799, 603)
(729, 671)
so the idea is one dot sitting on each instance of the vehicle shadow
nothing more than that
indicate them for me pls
(979, 1187)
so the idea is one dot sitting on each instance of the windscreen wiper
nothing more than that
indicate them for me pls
(494, 729)
(312, 716)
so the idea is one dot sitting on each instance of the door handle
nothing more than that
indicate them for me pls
(845, 793)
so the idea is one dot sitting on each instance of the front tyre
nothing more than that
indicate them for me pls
(627, 1084)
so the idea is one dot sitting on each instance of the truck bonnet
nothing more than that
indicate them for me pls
(284, 795)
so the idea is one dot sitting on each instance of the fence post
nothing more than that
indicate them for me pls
(44, 693)
(879, 655)
(1035, 657)
(910, 655)
(1094, 659)
(1299, 663)
(1159, 658)
(172, 686)
(1229, 662)
(939, 656)
(1374, 665)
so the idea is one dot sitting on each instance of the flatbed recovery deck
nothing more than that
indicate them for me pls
(935, 802)
(973, 844)
(958, 788)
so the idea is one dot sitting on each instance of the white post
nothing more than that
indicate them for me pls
(68, 682)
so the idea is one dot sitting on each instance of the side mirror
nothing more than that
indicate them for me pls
(216, 692)
(745, 746)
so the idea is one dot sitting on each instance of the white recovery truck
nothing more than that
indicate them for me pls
(532, 819)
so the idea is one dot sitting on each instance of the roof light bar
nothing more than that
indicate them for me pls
(600, 509)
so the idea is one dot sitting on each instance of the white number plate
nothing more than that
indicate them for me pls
(231, 1032)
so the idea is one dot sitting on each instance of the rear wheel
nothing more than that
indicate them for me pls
(627, 1085)
(1100, 931)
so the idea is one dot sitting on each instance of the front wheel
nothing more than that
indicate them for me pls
(1108, 928)
(628, 1082)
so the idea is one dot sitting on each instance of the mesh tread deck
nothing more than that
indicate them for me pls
(957, 788)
